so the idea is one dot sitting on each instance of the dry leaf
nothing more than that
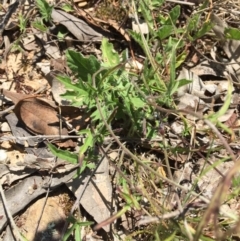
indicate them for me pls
(80, 29)
(15, 97)
(38, 117)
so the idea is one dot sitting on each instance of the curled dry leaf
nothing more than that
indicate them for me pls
(38, 117)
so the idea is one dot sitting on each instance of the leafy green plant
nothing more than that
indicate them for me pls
(75, 229)
(38, 24)
(45, 9)
(196, 28)
(22, 23)
(118, 98)
(107, 85)
(67, 7)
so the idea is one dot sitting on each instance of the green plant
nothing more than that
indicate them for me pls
(45, 9)
(22, 23)
(38, 24)
(108, 90)
(75, 228)
(119, 98)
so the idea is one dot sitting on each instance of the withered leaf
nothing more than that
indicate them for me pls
(15, 97)
(38, 117)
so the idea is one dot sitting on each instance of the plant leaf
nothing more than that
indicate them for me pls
(45, 9)
(174, 15)
(65, 155)
(232, 33)
(81, 65)
(110, 56)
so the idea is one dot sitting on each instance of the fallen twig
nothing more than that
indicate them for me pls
(15, 230)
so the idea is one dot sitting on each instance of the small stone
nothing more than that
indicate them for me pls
(5, 127)
(3, 156)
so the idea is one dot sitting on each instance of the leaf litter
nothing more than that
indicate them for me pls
(118, 195)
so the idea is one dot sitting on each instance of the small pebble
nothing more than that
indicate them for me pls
(3, 156)
(5, 127)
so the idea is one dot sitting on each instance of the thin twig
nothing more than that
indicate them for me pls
(181, 2)
(150, 219)
(25, 138)
(15, 230)
(44, 205)
(4, 112)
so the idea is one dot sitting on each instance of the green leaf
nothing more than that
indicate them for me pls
(88, 142)
(147, 14)
(67, 7)
(110, 56)
(22, 22)
(179, 83)
(168, 25)
(137, 37)
(39, 25)
(45, 9)
(165, 31)
(62, 32)
(91, 165)
(193, 23)
(79, 93)
(82, 66)
(156, 4)
(69, 232)
(137, 102)
(207, 26)
(65, 155)
(172, 71)
(181, 58)
(171, 237)
(232, 33)
(183, 82)
(174, 15)
(77, 236)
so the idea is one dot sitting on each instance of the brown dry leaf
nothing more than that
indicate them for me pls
(161, 171)
(207, 184)
(44, 121)
(15, 97)
(38, 117)
(229, 117)
(58, 64)
(29, 43)
(80, 29)
(19, 131)
(209, 68)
